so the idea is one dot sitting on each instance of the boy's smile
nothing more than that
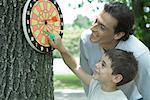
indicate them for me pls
(103, 70)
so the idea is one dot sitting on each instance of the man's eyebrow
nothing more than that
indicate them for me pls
(100, 23)
(103, 25)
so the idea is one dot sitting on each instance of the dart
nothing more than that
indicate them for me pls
(53, 19)
(47, 33)
(50, 35)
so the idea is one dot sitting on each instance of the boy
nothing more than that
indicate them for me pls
(117, 67)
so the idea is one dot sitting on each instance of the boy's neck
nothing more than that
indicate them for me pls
(108, 87)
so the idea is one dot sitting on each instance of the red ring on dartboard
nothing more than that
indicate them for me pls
(40, 16)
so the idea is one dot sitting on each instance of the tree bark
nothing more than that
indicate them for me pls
(24, 73)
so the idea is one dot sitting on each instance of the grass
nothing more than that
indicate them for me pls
(67, 81)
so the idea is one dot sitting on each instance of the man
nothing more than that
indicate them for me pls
(113, 29)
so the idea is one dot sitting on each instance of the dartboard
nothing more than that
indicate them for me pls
(40, 16)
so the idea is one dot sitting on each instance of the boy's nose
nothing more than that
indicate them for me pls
(97, 65)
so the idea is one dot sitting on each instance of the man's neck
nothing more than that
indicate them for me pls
(110, 45)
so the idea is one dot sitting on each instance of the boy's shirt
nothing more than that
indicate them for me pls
(96, 93)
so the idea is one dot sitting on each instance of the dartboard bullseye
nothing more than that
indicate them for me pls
(40, 16)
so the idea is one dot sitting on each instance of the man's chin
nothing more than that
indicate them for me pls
(93, 40)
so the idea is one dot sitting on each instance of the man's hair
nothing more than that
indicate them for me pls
(123, 63)
(124, 16)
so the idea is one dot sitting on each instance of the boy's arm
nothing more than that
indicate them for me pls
(70, 61)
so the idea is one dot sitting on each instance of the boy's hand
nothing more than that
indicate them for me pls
(55, 42)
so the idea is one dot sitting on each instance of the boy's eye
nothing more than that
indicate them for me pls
(103, 65)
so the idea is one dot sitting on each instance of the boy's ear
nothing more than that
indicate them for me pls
(119, 35)
(117, 78)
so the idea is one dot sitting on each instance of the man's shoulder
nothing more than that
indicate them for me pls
(134, 45)
(86, 35)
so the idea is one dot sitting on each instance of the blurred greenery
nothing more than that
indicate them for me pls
(82, 21)
(67, 81)
(71, 36)
(71, 40)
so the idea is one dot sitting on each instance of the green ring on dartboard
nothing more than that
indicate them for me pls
(40, 16)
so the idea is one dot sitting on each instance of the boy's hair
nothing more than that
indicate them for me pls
(124, 16)
(123, 63)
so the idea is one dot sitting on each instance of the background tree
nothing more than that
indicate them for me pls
(24, 73)
(141, 10)
(82, 21)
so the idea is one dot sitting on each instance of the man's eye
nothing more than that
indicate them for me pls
(95, 21)
(102, 27)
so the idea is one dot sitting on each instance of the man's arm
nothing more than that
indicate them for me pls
(143, 82)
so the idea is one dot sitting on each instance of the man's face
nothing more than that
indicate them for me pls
(103, 70)
(103, 29)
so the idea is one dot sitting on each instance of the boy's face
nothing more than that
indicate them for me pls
(103, 70)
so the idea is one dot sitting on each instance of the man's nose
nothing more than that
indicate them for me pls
(93, 27)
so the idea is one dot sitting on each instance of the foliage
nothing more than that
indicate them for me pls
(142, 20)
(82, 21)
(71, 39)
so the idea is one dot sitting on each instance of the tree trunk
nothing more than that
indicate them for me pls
(24, 73)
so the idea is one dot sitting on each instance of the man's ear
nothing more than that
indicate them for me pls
(119, 35)
(117, 78)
